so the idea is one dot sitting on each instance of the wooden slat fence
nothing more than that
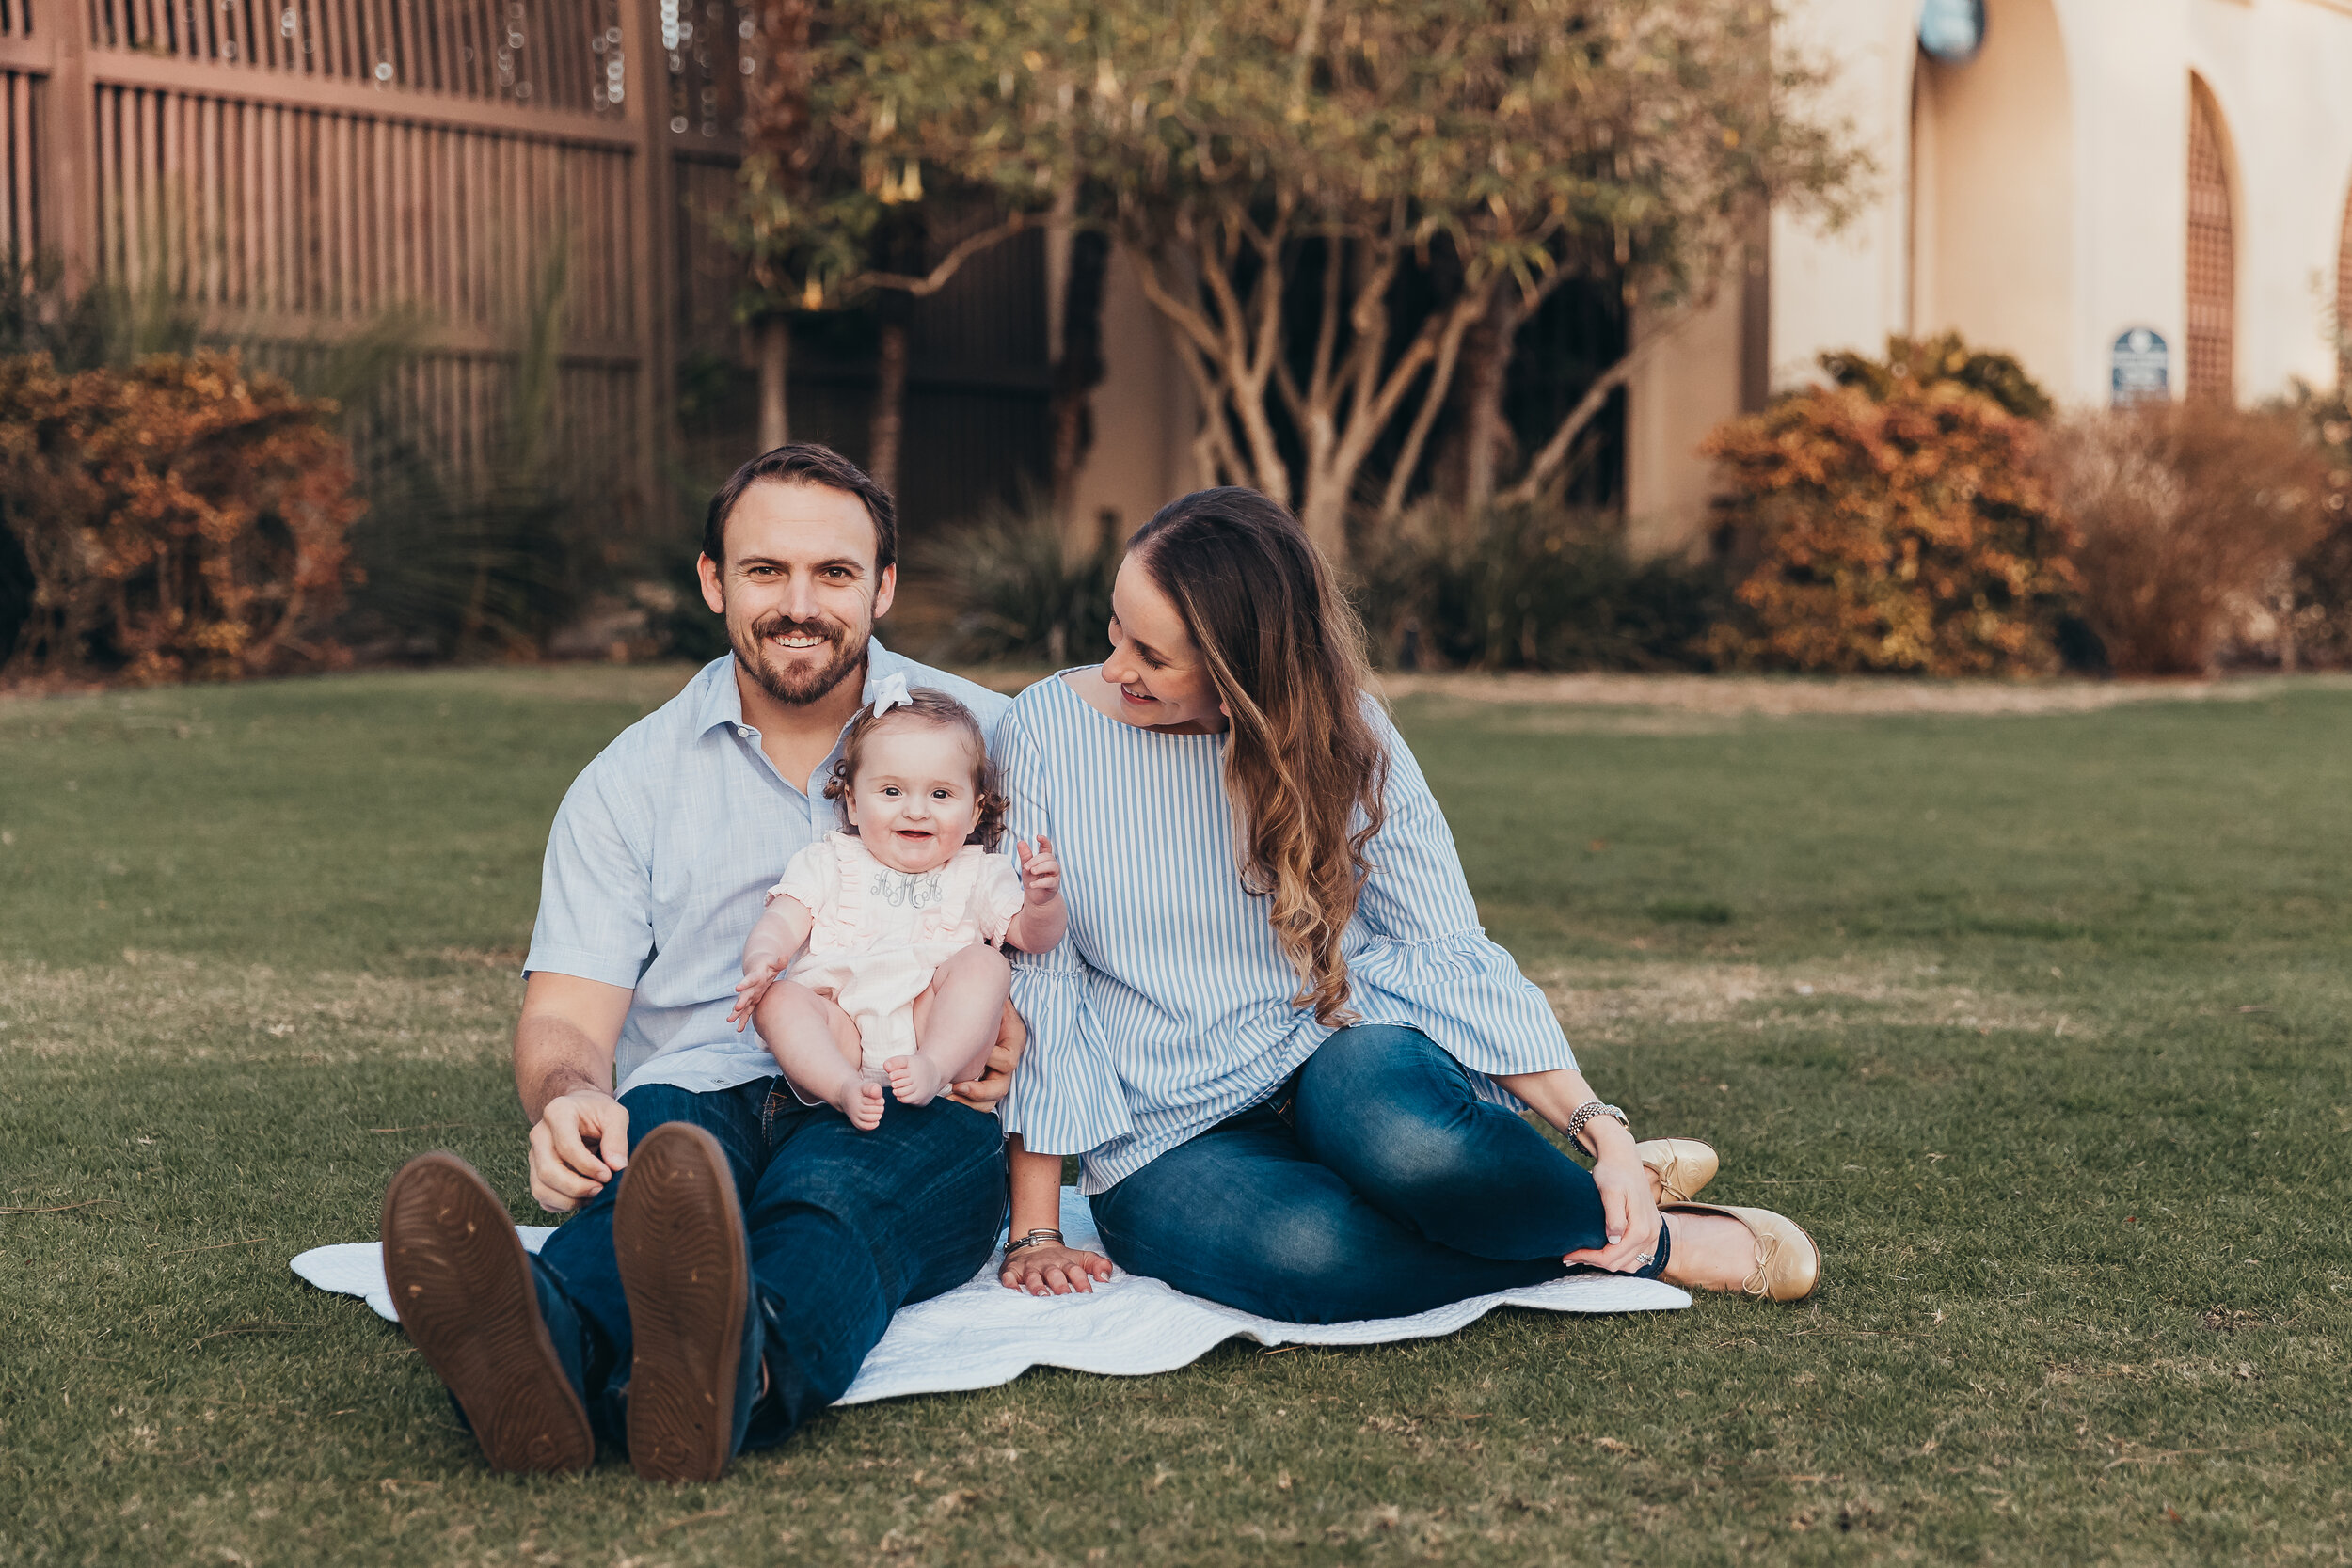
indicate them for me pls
(294, 169)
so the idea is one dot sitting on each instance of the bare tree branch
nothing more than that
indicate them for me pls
(1425, 417)
(937, 279)
(1555, 452)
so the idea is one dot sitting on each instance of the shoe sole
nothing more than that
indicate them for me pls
(463, 1287)
(678, 1234)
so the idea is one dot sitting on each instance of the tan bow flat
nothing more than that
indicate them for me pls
(1787, 1264)
(1682, 1166)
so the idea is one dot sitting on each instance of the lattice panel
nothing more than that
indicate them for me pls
(535, 53)
(284, 210)
(2212, 257)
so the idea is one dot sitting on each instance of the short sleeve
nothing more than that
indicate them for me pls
(813, 877)
(595, 887)
(995, 895)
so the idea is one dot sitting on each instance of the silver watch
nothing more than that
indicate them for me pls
(1587, 1111)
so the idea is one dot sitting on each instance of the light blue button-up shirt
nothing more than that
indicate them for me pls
(659, 861)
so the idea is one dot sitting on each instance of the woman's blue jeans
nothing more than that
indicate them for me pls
(1374, 1184)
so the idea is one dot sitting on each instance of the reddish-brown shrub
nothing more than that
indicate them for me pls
(1901, 531)
(2188, 513)
(182, 519)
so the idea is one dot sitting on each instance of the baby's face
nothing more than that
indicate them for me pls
(911, 803)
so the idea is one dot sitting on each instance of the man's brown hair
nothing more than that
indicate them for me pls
(804, 462)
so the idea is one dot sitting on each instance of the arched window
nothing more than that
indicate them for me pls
(2211, 254)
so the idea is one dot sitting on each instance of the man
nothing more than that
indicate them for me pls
(667, 1313)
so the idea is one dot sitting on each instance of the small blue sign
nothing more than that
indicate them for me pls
(1952, 30)
(2142, 367)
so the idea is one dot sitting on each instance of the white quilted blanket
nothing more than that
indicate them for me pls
(980, 1334)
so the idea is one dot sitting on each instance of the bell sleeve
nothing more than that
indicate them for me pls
(1065, 1098)
(1424, 959)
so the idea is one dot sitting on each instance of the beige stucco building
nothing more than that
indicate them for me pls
(2183, 166)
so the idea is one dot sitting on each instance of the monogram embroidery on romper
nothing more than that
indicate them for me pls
(906, 889)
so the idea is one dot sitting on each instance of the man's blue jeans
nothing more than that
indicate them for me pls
(845, 1227)
(1376, 1184)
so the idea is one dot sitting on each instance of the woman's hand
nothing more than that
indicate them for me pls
(1054, 1271)
(1629, 1215)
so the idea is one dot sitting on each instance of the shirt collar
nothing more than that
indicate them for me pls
(721, 701)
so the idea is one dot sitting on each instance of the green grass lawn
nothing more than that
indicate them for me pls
(2038, 1023)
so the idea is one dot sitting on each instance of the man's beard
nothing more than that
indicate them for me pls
(795, 688)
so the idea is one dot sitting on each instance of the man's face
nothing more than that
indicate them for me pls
(799, 589)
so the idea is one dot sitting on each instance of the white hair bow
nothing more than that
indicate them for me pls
(892, 692)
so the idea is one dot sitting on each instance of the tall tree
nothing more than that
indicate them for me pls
(1274, 168)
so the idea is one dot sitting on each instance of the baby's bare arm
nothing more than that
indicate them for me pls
(779, 934)
(1039, 928)
(1043, 918)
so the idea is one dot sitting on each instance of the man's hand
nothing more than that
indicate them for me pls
(579, 1140)
(982, 1093)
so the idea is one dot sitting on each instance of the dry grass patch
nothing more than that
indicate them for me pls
(166, 1004)
(1617, 1006)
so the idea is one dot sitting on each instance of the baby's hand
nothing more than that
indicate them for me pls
(754, 988)
(1041, 873)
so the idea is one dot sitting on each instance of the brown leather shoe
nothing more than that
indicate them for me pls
(1683, 1166)
(1787, 1264)
(462, 1285)
(678, 1230)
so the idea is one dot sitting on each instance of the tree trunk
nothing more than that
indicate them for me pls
(776, 354)
(1485, 363)
(890, 400)
(1322, 513)
(1078, 369)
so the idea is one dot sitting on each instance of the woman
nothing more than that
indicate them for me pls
(1277, 1031)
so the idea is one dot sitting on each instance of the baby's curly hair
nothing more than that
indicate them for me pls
(931, 706)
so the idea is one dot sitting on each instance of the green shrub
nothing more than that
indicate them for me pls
(1017, 593)
(2316, 614)
(1934, 361)
(1531, 588)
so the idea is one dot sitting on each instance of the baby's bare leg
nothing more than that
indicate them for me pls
(816, 1044)
(955, 1022)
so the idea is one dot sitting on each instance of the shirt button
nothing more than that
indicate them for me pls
(745, 732)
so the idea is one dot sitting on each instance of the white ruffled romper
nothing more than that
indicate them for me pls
(879, 934)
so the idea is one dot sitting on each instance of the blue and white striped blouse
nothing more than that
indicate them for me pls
(1169, 1008)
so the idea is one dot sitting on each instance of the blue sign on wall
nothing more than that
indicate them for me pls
(2142, 367)
(1952, 30)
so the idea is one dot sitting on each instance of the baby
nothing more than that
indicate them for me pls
(900, 916)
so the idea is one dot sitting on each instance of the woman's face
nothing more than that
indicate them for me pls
(1161, 683)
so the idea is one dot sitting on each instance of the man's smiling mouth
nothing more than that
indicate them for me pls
(799, 640)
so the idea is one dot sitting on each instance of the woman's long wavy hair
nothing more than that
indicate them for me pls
(1306, 768)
